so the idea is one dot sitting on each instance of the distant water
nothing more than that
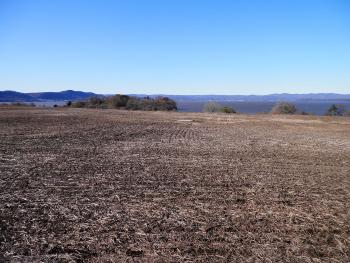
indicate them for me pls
(251, 107)
(248, 107)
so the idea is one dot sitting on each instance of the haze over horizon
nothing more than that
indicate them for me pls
(175, 47)
(169, 94)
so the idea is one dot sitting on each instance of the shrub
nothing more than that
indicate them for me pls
(118, 101)
(164, 103)
(284, 108)
(134, 104)
(335, 110)
(103, 105)
(79, 104)
(216, 107)
(95, 102)
(226, 109)
(212, 106)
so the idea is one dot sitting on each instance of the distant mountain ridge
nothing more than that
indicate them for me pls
(63, 95)
(13, 96)
(269, 97)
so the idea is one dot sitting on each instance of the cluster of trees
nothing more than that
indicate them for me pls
(126, 102)
(289, 108)
(284, 108)
(337, 110)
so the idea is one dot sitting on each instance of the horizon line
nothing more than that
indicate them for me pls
(170, 94)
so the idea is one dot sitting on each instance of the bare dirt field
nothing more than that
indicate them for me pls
(79, 185)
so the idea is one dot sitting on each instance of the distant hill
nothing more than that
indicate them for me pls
(13, 96)
(267, 98)
(63, 95)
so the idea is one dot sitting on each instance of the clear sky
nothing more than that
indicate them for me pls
(175, 46)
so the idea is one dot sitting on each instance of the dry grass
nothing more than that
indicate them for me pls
(80, 185)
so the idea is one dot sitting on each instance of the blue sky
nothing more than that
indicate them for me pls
(175, 46)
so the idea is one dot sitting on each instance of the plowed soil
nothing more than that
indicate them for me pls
(79, 185)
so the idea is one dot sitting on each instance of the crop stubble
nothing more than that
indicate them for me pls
(107, 185)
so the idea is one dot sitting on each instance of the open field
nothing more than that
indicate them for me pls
(79, 185)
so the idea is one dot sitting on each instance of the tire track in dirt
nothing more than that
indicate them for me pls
(182, 135)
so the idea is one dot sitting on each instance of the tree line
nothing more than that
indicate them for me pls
(119, 101)
(162, 103)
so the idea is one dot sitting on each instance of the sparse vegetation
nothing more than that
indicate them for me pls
(284, 108)
(78, 104)
(212, 107)
(17, 104)
(335, 110)
(227, 109)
